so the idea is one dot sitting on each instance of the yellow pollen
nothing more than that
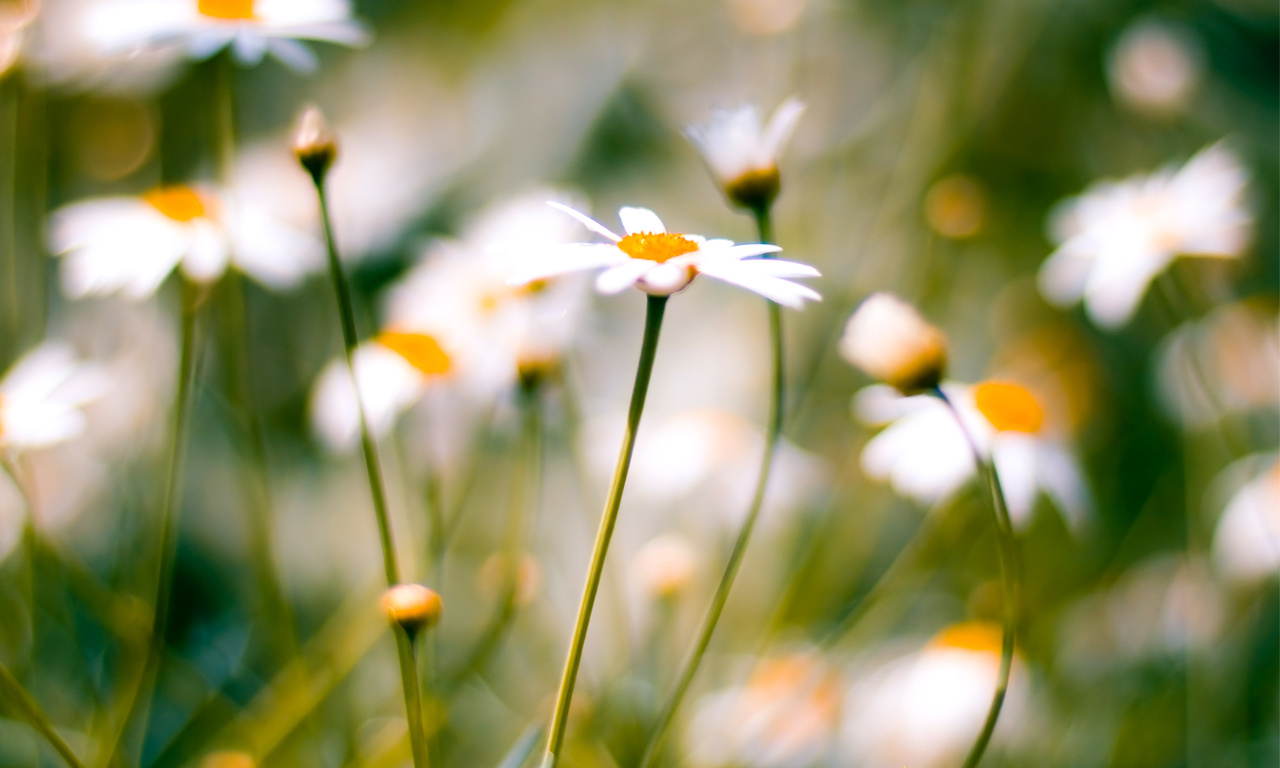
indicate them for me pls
(1009, 407)
(970, 636)
(660, 247)
(178, 202)
(422, 351)
(226, 9)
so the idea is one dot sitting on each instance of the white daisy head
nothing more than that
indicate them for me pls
(743, 153)
(1155, 67)
(665, 566)
(890, 341)
(42, 396)
(250, 28)
(661, 263)
(1246, 542)
(1119, 236)
(130, 245)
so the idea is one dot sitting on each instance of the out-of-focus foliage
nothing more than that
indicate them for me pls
(946, 150)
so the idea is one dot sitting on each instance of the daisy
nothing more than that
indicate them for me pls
(251, 28)
(661, 263)
(743, 154)
(1118, 236)
(890, 341)
(924, 455)
(42, 397)
(1246, 542)
(130, 244)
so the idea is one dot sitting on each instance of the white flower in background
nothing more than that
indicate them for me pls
(1246, 542)
(661, 263)
(131, 244)
(392, 372)
(924, 455)
(1155, 67)
(1118, 236)
(743, 154)
(15, 17)
(1223, 364)
(926, 708)
(890, 341)
(664, 566)
(202, 28)
(785, 716)
(43, 395)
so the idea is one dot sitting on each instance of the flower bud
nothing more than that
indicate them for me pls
(314, 144)
(412, 606)
(890, 341)
(665, 566)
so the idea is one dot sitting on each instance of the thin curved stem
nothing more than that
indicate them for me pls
(652, 327)
(1009, 578)
(404, 642)
(693, 661)
(13, 692)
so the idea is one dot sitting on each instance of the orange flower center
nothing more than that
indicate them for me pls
(178, 202)
(659, 247)
(971, 636)
(226, 9)
(1009, 407)
(422, 351)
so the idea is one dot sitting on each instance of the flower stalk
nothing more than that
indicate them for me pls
(1009, 578)
(316, 156)
(712, 617)
(655, 309)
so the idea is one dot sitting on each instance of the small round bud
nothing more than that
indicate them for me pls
(889, 340)
(314, 144)
(412, 606)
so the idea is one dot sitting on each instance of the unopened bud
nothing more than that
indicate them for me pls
(314, 144)
(412, 606)
(889, 340)
(754, 190)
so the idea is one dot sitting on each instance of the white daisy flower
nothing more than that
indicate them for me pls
(661, 263)
(251, 28)
(1118, 236)
(1246, 542)
(925, 455)
(1155, 67)
(131, 244)
(42, 396)
(890, 341)
(743, 154)
(925, 709)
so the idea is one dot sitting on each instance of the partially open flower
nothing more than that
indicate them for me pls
(890, 341)
(412, 606)
(743, 153)
(314, 144)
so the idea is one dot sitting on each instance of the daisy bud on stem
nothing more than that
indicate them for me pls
(314, 144)
(412, 606)
(890, 341)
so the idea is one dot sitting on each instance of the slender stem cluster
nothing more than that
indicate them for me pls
(652, 327)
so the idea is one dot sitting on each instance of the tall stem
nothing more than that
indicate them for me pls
(404, 643)
(1009, 578)
(13, 692)
(712, 617)
(652, 327)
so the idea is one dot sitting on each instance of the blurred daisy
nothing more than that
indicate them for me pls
(784, 717)
(1225, 363)
(926, 708)
(661, 263)
(1118, 236)
(1246, 542)
(743, 154)
(251, 28)
(924, 455)
(664, 566)
(131, 244)
(43, 395)
(1155, 67)
(890, 341)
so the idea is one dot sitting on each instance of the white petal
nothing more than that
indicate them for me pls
(586, 220)
(781, 126)
(293, 54)
(1014, 457)
(744, 275)
(637, 220)
(622, 276)
(564, 259)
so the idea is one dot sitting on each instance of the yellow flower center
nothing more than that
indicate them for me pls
(660, 247)
(226, 9)
(178, 202)
(971, 636)
(1009, 407)
(422, 351)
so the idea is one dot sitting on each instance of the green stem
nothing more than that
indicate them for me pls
(141, 699)
(13, 691)
(652, 327)
(712, 617)
(1009, 578)
(404, 644)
